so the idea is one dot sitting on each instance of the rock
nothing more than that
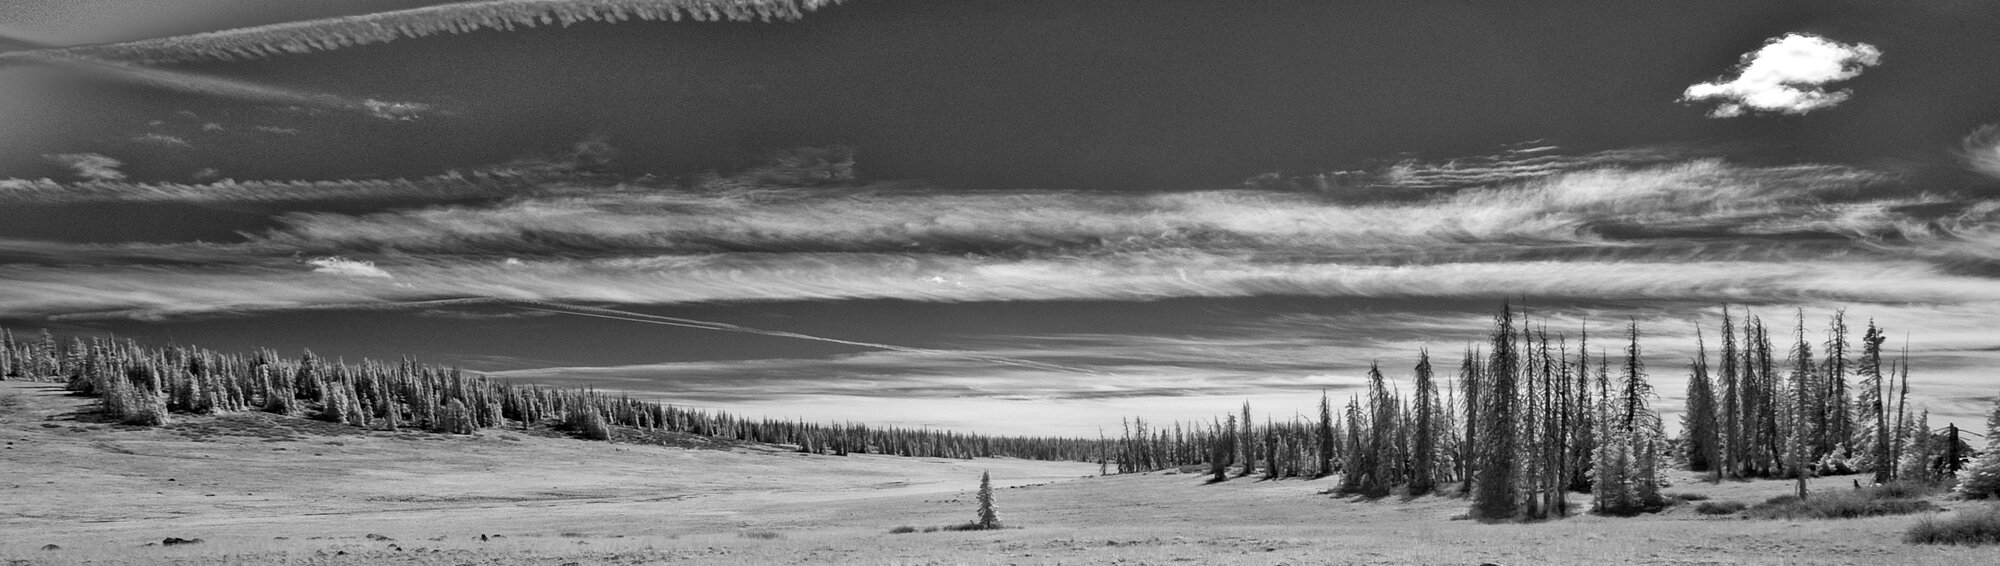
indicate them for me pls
(51, 547)
(482, 538)
(373, 536)
(171, 541)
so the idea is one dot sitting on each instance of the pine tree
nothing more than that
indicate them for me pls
(1497, 493)
(1872, 407)
(1804, 428)
(988, 519)
(1375, 463)
(1730, 435)
(1642, 424)
(1323, 432)
(1468, 379)
(1698, 423)
(1249, 443)
(1423, 452)
(1839, 421)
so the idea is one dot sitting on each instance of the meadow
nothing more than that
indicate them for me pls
(258, 488)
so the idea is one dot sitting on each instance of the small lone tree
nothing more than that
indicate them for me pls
(987, 519)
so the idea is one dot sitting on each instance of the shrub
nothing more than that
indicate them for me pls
(1838, 505)
(760, 535)
(589, 424)
(1720, 507)
(902, 529)
(1971, 527)
(1904, 490)
(1687, 496)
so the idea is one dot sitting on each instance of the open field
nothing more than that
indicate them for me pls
(263, 489)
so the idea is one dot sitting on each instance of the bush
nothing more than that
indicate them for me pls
(1720, 507)
(760, 535)
(1839, 505)
(589, 424)
(1971, 527)
(1905, 490)
(902, 529)
(1687, 496)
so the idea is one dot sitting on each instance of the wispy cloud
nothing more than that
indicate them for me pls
(336, 265)
(458, 17)
(1787, 76)
(90, 166)
(1981, 150)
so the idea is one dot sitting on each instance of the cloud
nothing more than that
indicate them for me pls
(1981, 150)
(1787, 76)
(458, 17)
(90, 166)
(1581, 209)
(337, 265)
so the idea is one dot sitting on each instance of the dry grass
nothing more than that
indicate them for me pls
(103, 491)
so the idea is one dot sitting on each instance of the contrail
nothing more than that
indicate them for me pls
(613, 314)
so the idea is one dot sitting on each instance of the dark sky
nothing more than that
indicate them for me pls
(1191, 203)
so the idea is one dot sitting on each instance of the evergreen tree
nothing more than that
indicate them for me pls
(1839, 421)
(1249, 443)
(1698, 429)
(1497, 491)
(988, 519)
(1323, 432)
(1583, 448)
(1872, 407)
(1423, 451)
(1730, 435)
(1375, 461)
(1468, 379)
(1918, 462)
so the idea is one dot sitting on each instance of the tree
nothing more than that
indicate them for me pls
(1873, 407)
(1698, 423)
(1468, 380)
(1804, 429)
(1248, 440)
(1375, 463)
(1323, 432)
(988, 520)
(1497, 494)
(1839, 422)
(1423, 464)
(1730, 436)
(1642, 424)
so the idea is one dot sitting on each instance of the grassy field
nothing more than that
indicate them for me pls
(260, 489)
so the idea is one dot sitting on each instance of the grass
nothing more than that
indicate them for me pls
(10, 403)
(1969, 527)
(1843, 504)
(1720, 507)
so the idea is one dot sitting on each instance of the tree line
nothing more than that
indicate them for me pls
(1530, 420)
(149, 386)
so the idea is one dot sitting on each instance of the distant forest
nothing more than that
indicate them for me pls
(1528, 420)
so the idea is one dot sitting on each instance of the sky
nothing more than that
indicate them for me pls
(1018, 217)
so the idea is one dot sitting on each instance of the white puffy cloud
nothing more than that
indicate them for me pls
(90, 166)
(337, 265)
(1787, 76)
